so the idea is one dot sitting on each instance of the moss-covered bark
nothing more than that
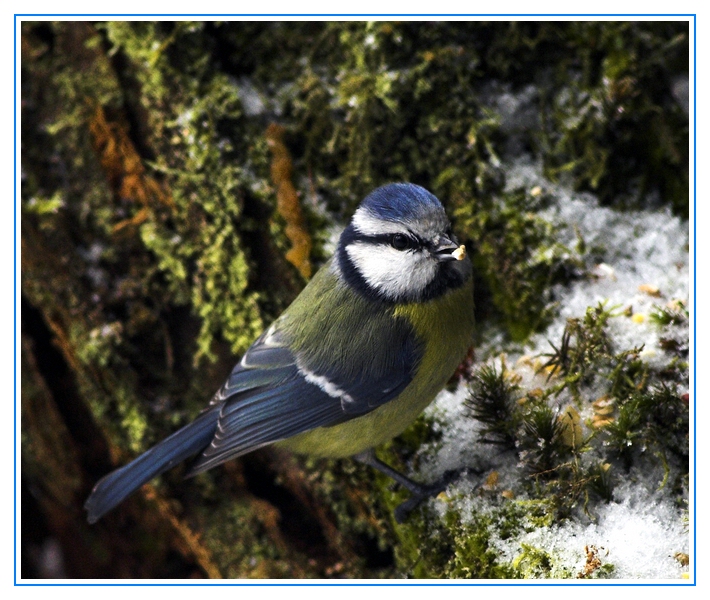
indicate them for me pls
(158, 236)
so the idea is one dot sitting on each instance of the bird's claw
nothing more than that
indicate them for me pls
(401, 513)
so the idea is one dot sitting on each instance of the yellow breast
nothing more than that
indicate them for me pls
(446, 327)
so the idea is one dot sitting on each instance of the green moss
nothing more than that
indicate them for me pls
(491, 401)
(638, 414)
(616, 128)
(517, 254)
(473, 555)
(541, 440)
(534, 563)
(653, 418)
(43, 206)
(584, 344)
(458, 547)
(674, 314)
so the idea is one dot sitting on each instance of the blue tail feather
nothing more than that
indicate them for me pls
(119, 484)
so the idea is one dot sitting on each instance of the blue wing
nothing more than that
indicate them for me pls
(273, 394)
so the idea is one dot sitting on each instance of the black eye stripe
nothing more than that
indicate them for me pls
(399, 241)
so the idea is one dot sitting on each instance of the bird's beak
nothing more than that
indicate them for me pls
(448, 250)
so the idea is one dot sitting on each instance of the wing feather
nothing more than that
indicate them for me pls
(276, 392)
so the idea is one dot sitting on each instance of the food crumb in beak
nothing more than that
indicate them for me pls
(459, 253)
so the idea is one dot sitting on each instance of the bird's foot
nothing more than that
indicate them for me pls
(419, 492)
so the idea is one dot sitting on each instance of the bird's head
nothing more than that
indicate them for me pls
(399, 247)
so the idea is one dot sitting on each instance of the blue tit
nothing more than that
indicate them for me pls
(364, 348)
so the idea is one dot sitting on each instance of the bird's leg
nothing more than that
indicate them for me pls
(419, 492)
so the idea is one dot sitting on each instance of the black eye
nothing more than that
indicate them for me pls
(400, 241)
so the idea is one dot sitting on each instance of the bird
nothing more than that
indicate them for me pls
(362, 350)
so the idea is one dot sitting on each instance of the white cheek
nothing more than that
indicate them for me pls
(394, 273)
